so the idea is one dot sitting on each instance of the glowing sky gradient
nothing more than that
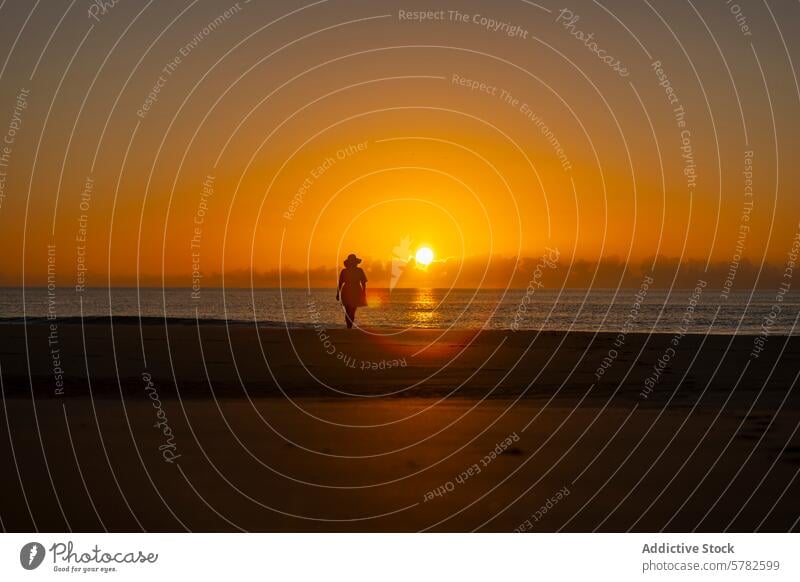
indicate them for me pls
(166, 137)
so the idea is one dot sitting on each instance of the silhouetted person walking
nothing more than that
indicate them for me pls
(352, 288)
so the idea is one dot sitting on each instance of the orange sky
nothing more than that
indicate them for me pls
(277, 121)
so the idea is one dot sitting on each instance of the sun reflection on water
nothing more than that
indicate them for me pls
(423, 309)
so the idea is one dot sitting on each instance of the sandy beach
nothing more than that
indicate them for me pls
(306, 430)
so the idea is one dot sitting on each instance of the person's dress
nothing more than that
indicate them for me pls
(352, 293)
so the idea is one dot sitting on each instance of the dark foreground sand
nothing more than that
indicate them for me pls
(269, 431)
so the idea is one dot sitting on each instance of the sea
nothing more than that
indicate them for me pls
(704, 311)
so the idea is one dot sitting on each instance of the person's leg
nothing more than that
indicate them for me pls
(349, 314)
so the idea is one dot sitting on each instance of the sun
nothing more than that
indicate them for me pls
(424, 256)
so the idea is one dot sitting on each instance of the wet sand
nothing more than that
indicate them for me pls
(269, 430)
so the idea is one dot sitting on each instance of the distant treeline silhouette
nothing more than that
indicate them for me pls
(481, 272)
(504, 271)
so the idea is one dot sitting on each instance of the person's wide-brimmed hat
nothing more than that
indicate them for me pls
(351, 260)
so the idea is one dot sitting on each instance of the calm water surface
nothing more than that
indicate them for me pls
(574, 309)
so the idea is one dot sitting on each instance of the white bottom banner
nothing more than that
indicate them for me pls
(355, 557)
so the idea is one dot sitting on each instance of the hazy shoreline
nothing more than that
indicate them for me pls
(128, 320)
